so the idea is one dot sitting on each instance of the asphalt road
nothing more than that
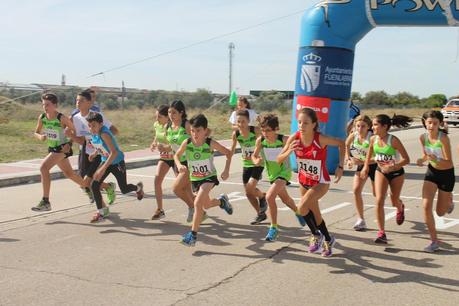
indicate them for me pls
(58, 257)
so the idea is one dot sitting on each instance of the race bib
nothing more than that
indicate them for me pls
(200, 168)
(51, 134)
(101, 150)
(247, 152)
(272, 153)
(311, 169)
(358, 152)
(384, 159)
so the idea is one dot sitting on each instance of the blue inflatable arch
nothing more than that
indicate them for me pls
(329, 33)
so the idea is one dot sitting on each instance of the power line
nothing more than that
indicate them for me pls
(197, 43)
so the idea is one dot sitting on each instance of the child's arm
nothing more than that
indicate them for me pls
(38, 130)
(154, 144)
(420, 161)
(365, 169)
(234, 143)
(256, 158)
(447, 156)
(290, 145)
(181, 168)
(405, 158)
(331, 141)
(214, 145)
(111, 157)
(347, 155)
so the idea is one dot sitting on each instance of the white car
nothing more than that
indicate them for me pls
(450, 112)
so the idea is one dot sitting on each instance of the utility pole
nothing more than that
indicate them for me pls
(123, 94)
(231, 48)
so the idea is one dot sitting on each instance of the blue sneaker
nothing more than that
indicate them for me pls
(273, 232)
(225, 204)
(188, 239)
(300, 219)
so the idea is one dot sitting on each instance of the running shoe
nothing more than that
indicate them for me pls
(159, 214)
(327, 247)
(189, 218)
(97, 218)
(225, 204)
(400, 215)
(451, 207)
(111, 194)
(381, 238)
(89, 194)
(432, 247)
(360, 225)
(105, 212)
(272, 235)
(188, 239)
(263, 205)
(139, 191)
(42, 206)
(315, 243)
(259, 218)
(301, 219)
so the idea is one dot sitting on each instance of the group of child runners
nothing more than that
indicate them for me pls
(185, 146)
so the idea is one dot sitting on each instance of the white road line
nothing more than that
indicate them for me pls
(335, 207)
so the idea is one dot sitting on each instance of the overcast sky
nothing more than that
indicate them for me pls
(40, 40)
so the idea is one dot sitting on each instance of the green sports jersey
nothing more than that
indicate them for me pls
(53, 131)
(387, 153)
(360, 150)
(247, 147)
(176, 137)
(270, 152)
(200, 160)
(160, 134)
(435, 148)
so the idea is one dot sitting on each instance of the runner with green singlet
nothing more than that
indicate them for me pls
(439, 177)
(390, 155)
(177, 131)
(267, 148)
(51, 127)
(357, 147)
(199, 152)
(247, 136)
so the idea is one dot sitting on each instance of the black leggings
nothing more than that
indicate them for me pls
(119, 171)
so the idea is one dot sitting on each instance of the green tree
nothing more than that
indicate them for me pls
(376, 97)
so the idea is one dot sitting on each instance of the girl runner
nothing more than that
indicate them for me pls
(178, 131)
(112, 161)
(166, 160)
(390, 156)
(357, 145)
(50, 128)
(439, 177)
(270, 145)
(310, 148)
(246, 136)
(198, 151)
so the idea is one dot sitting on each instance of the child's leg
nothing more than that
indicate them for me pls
(202, 201)
(428, 193)
(95, 188)
(443, 202)
(287, 199)
(381, 185)
(119, 171)
(395, 190)
(182, 189)
(253, 194)
(66, 168)
(357, 189)
(310, 201)
(271, 195)
(161, 171)
(50, 161)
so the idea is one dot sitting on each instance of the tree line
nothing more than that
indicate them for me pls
(203, 98)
